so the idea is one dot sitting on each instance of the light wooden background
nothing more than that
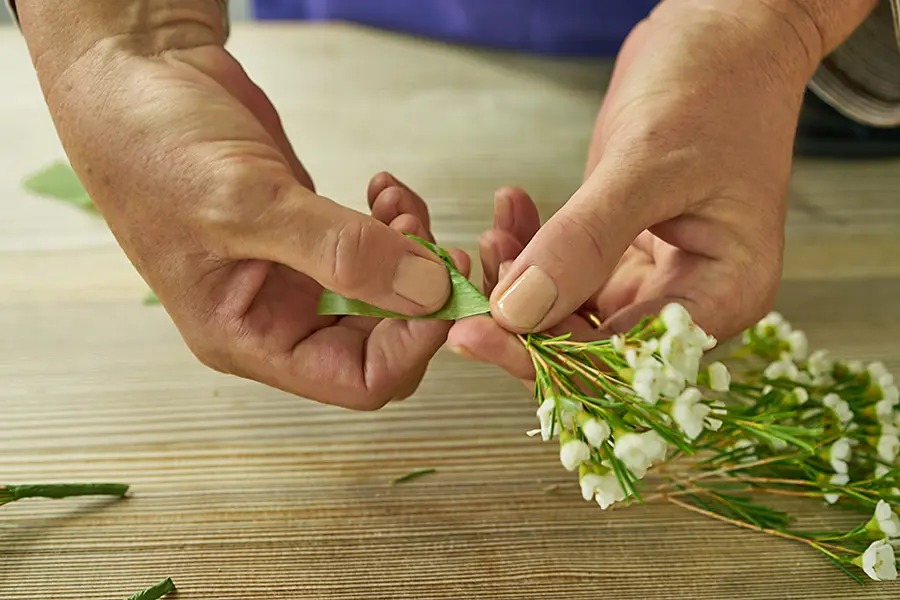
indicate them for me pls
(241, 492)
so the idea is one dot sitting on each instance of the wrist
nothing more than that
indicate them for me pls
(62, 32)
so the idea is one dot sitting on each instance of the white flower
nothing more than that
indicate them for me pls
(820, 364)
(781, 369)
(774, 324)
(839, 479)
(639, 450)
(801, 395)
(608, 491)
(683, 355)
(888, 447)
(672, 382)
(568, 409)
(589, 484)
(881, 470)
(887, 520)
(855, 367)
(573, 453)
(595, 432)
(676, 319)
(689, 412)
(839, 407)
(655, 447)
(798, 344)
(618, 343)
(839, 454)
(719, 377)
(877, 371)
(647, 381)
(878, 561)
(890, 393)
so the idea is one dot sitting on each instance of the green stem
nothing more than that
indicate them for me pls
(156, 592)
(11, 493)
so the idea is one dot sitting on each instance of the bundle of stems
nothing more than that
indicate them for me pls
(776, 421)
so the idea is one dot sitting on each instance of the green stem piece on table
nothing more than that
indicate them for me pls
(12, 493)
(465, 300)
(413, 475)
(156, 592)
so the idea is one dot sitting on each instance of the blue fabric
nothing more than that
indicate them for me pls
(560, 27)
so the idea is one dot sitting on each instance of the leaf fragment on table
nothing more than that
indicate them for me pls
(59, 181)
(413, 475)
(150, 298)
(465, 300)
(156, 592)
(12, 493)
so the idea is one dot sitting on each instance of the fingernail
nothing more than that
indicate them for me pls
(503, 212)
(461, 351)
(422, 281)
(528, 299)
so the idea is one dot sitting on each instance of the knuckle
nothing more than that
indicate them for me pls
(348, 254)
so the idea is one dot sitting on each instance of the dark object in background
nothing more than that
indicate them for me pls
(823, 132)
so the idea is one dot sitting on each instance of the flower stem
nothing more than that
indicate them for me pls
(744, 525)
(156, 592)
(11, 493)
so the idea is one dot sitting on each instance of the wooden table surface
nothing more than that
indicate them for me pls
(243, 492)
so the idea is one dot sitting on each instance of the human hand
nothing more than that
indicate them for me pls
(188, 162)
(685, 194)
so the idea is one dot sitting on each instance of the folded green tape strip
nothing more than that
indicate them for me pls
(465, 300)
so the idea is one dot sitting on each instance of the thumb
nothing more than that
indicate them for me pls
(345, 251)
(571, 256)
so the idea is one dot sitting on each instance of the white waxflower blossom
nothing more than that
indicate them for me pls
(647, 381)
(719, 377)
(573, 453)
(595, 432)
(676, 319)
(887, 520)
(608, 492)
(618, 343)
(881, 470)
(801, 395)
(774, 324)
(672, 382)
(589, 483)
(781, 369)
(839, 407)
(839, 455)
(568, 409)
(683, 355)
(716, 408)
(878, 371)
(888, 447)
(689, 412)
(838, 479)
(798, 344)
(879, 562)
(820, 364)
(638, 451)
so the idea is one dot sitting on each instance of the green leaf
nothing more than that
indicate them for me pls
(465, 299)
(150, 298)
(156, 592)
(59, 181)
(413, 475)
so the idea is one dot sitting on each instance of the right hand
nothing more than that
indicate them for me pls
(188, 162)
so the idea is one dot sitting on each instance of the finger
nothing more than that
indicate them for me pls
(395, 201)
(495, 247)
(572, 255)
(481, 338)
(345, 251)
(346, 367)
(409, 224)
(461, 261)
(516, 213)
(384, 180)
